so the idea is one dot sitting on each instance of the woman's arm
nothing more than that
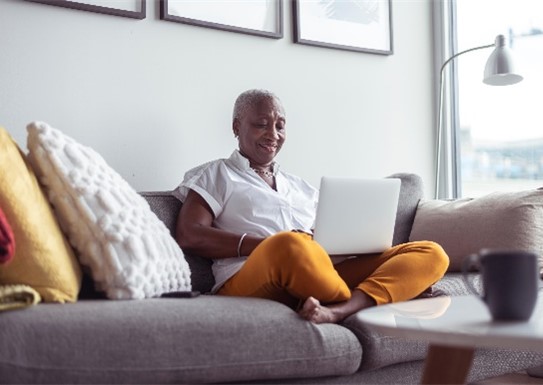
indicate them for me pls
(196, 235)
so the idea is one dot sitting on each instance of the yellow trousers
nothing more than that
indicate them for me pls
(289, 267)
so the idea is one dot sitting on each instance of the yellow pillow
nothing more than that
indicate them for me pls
(43, 258)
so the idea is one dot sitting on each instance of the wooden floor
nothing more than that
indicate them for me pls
(520, 378)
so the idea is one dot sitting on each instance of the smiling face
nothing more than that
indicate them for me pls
(261, 130)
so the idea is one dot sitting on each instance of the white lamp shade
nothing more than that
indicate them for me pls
(500, 66)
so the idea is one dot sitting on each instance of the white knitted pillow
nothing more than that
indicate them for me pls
(129, 251)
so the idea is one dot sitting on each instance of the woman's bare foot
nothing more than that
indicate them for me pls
(314, 311)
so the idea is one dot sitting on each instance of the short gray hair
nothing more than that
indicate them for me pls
(249, 98)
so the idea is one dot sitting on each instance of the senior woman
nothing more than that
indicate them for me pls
(254, 221)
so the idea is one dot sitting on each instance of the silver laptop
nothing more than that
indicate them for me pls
(356, 216)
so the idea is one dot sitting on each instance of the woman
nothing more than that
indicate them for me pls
(255, 220)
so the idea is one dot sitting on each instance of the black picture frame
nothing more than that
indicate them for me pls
(106, 10)
(336, 22)
(275, 7)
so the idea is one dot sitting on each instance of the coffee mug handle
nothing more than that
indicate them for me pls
(467, 263)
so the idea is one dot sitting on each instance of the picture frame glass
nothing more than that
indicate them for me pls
(359, 24)
(264, 13)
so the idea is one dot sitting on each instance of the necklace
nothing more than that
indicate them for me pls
(266, 173)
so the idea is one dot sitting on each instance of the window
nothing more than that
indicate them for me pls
(498, 133)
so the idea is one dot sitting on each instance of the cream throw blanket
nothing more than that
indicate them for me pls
(17, 297)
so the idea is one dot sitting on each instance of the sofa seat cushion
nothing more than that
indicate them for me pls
(381, 350)
(203, 339)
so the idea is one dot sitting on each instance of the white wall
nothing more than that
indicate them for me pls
(155, 97)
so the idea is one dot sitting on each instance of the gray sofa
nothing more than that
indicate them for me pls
(212, 339)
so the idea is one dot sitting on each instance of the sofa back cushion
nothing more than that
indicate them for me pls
(166, 206)
(411, 192)
(501, 220)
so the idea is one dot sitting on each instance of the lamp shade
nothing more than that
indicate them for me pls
(500, 66)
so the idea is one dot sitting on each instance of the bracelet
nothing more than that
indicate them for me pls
(239, 244)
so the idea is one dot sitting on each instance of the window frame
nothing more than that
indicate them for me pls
(451, 184)
(448, 177)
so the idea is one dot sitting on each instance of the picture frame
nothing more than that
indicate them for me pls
(352, 25)
(135, 9)
(256, 17)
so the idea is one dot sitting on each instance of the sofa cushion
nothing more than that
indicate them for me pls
(199, 340)
(166, 207)
(381, 350)
(411, 192)
(43, 258)
(502, 220)
(128, 250)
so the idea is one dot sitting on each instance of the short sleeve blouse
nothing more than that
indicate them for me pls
(243, 202)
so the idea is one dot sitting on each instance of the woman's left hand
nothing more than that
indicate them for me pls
(302, 231)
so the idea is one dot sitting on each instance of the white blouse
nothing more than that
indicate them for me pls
(243, 202)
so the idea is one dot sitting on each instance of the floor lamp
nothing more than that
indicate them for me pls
(499, 71)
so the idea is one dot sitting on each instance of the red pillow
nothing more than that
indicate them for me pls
(7, 242)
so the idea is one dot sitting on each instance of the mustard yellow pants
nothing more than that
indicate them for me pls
(289, 267)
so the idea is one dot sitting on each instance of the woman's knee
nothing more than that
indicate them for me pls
(439, 258)
(294, 246)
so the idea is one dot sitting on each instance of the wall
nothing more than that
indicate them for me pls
(155, 97)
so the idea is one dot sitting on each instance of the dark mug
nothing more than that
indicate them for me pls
(510, 281)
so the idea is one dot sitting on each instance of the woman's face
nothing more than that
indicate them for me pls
(261, 131)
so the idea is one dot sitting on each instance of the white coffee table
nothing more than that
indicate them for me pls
(454, 327)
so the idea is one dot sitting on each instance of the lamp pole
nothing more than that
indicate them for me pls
(440, 115)
(499, 71)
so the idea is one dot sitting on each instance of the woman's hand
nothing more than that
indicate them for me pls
(302, 231)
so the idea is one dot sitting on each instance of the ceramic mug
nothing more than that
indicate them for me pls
(510, 281)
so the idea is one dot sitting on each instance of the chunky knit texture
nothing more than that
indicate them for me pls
(128, 250)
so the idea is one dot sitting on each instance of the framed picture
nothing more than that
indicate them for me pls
(354, 25)
(255, 17)
(134, 9)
